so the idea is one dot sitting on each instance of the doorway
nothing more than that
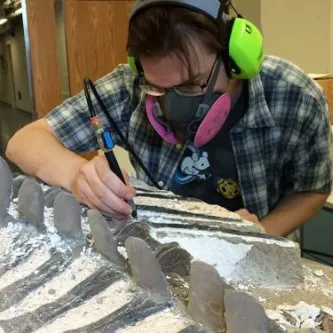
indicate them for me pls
(11, 80)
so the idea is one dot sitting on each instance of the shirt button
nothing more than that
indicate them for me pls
(161, 183)
(179, 146)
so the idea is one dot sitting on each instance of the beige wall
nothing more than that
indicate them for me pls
(298, 30)
(250, 9)
(123, 160)
(20, 71)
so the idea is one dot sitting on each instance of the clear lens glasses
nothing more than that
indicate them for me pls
(192, 90)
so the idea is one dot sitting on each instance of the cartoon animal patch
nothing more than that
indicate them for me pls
(194, 166)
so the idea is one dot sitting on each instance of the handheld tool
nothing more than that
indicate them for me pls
(105, 142)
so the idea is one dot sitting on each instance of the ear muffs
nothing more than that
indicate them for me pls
(244, 53)
(245, 49)
(135, 65)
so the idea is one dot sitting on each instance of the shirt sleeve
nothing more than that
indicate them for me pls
(71, 120)
(311, 167)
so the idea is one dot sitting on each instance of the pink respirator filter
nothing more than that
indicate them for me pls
(209, 127)
(214, 120)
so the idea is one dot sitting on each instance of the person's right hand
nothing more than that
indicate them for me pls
(96, 186)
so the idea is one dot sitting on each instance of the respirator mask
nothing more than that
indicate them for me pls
(177, 116)
(182, 114)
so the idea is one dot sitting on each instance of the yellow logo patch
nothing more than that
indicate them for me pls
(228, 188)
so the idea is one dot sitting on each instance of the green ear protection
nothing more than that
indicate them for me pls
(244, 52)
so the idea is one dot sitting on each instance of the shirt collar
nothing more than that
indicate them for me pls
(258, 114)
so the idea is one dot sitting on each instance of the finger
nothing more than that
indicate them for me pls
(246, 215)
(127, 181)
(92, 200)
(110, 180)
(254, 218)
(105, 195)
(82, 200)
(126, 176)
(78, 193)
(242, 211)
(115, 216)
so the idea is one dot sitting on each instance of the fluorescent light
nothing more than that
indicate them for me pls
(15, 14)
(3, 21)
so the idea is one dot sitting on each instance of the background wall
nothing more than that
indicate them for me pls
(61, 48)
(298, 30)
(251, 9)
(19, 68)
(5, 84)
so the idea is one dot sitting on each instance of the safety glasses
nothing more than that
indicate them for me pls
(190, 90)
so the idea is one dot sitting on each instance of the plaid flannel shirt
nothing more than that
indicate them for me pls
(282, 145)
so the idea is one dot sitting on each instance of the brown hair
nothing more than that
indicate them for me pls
(158, 31)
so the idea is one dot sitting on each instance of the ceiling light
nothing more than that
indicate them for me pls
(3, 21)
(18, 11)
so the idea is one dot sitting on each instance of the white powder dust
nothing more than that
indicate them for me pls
(44, 187)
(219, 253)
(166, 322)
(214, 235)
(154, 217)
(7, 235)
(53, 239)
(91, 311)
(86, 227)
(196, 207)
(9, 251)
(301, 315)
(12, 209)
(313, 282)
(319, 273)
(25, 269)
(302, 310)
(279, 318)
(123, 252)
(327, 310)
(78, 271)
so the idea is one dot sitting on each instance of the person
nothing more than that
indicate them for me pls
(206, 112)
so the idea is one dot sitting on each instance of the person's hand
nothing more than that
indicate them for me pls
(246, 215)
(96, 186)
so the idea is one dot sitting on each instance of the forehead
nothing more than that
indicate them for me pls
(173, 69)
(165, 71)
